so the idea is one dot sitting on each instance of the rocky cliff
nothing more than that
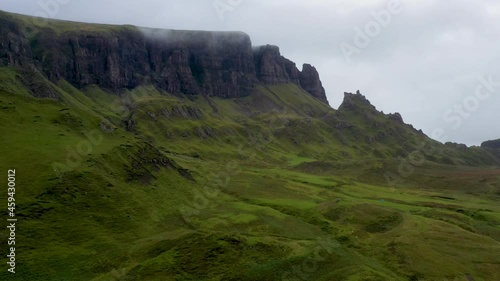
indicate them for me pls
(222, 64)
(273, 68)
(495, 144)
(309, 80)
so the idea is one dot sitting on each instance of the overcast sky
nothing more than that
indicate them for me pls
(422, 58)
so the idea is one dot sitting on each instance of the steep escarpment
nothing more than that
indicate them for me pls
(493, 144)
(133, 151)
(13, 43)
(309, 80)
(215, 64)
(221, 64)
(272, 68)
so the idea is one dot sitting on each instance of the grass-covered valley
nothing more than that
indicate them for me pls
(139, 183)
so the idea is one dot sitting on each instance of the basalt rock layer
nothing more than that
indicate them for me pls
(221, 64)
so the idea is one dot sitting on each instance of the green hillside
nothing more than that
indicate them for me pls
(142, 184)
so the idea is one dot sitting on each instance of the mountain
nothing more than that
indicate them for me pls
(147, 154)
(221, 64)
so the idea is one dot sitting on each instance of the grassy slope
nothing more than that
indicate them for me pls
(276, 192)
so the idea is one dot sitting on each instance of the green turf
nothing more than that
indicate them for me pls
(146, 185)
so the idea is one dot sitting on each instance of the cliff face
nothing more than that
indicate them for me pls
(219, 64)
(272, 68)
(356, 103)
(495, 144)
(309, 80)
(216, 64)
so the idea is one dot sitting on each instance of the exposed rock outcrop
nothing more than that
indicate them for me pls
(221, 64)
(396, 117)
(13, 44)
(309, 80)
(495, 144)
(356, 102)
(272, 68)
